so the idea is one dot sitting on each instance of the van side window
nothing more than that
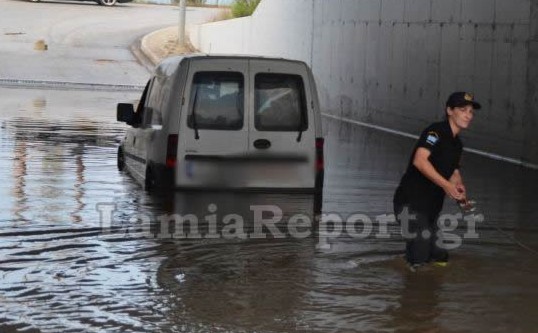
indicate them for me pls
(216, 101)
(157, 96)
(139, 113)
(280, 103)
(146, 108)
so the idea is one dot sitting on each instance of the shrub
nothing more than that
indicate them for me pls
(242, 8)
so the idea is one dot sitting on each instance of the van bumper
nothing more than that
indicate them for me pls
(165, 178)
(293, 190)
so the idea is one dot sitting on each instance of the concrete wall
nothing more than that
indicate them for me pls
(394, 62)
(531, 116)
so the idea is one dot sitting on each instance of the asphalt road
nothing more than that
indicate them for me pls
(86, 43)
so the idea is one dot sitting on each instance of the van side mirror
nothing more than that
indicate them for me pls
(125, 113)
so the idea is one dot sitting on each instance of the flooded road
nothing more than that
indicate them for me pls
(63, 267)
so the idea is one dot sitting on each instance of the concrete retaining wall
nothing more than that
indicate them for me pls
(393, 62)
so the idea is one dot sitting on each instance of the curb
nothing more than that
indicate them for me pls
(141, 55)
(146, 54)
(144, 47)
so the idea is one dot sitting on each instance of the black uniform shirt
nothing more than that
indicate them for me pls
(415, 189)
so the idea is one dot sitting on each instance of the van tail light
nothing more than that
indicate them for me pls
(319, 154)
(171, 151)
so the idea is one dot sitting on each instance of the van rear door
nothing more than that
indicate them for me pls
(282, 124)
(213, 124)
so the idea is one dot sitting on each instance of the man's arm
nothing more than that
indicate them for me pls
(423, 164)
(457, 180)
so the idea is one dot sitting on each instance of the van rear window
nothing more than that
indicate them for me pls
(216, 101)
(280, 102)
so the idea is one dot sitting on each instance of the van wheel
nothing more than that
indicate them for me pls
(149, 182)
(121, 159)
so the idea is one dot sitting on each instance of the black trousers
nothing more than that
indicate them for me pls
(421, 235)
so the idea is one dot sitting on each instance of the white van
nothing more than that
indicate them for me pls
(231, 122)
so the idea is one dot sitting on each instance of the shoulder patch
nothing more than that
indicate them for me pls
(432, 138)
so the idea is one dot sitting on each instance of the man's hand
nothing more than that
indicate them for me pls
(456, 192)
(457, 180)
(461, 189)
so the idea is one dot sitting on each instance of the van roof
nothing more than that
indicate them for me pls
(174, 61)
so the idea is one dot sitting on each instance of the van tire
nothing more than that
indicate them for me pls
(149, 181)
(121, 159)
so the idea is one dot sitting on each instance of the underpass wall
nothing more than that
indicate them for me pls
(393, 63)
(531, 116)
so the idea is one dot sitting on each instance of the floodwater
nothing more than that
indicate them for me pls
(67, 266)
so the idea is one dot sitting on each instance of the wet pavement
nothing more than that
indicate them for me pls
(64, 269)
(80, 41)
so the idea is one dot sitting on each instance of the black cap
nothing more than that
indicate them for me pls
(461, 98)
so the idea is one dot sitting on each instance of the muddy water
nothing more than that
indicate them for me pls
(64, 267)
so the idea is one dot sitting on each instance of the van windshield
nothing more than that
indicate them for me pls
(280, 102)
(216, 101)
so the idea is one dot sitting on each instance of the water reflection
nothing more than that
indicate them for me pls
(226, 281)
(79, 188)
(40, 104)
(419, 304)
(19, 175)
(54, 154)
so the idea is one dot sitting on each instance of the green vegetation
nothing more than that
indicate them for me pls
(242, 8)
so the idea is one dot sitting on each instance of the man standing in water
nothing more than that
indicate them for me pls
(433, 171)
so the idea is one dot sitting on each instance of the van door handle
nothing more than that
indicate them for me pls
(262, 144)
